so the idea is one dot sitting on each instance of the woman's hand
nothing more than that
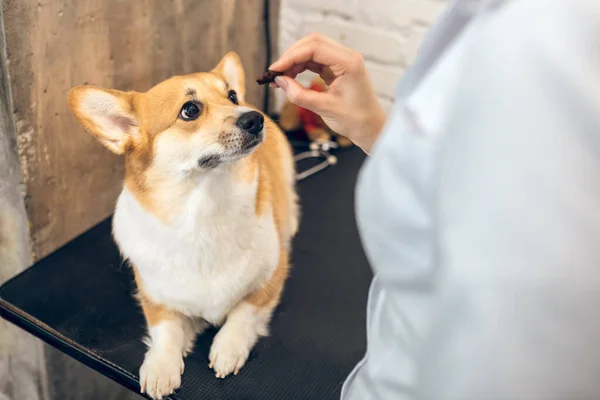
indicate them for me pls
(349, 105)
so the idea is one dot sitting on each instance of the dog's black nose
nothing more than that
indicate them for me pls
(252, 122)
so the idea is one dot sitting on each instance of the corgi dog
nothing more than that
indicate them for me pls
(206, 215)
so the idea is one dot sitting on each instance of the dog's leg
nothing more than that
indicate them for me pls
(171, 337)
(246, 323)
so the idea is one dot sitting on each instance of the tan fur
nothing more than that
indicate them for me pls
(270, 190)
(268, 296)
(273, 197)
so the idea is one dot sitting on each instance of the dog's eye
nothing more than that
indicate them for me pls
(233, 97)
(190, 111)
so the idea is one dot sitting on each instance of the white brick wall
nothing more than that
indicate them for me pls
(386, 32)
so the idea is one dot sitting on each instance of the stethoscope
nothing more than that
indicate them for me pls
(319, 150)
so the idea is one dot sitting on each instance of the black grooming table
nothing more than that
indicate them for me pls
(79, 300)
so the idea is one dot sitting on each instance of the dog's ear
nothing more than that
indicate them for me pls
(107, 114)
(232, 70)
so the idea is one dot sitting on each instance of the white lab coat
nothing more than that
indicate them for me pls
(479, 211)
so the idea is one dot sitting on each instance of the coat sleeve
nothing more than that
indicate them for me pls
(517, 309)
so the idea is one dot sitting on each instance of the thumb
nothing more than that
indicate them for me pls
(302, 97)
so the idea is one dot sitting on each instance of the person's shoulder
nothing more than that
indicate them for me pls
(530, 18)
(531, 10)
(536, 34)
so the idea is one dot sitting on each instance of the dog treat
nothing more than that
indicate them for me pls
(268, 77)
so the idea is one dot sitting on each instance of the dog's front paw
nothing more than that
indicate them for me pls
(228, 353)
(160, 374)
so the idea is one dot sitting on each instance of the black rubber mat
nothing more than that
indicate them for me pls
(79, 300)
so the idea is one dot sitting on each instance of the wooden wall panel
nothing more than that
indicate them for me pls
(71, 181)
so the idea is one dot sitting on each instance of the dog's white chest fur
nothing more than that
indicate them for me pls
(215, 251)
